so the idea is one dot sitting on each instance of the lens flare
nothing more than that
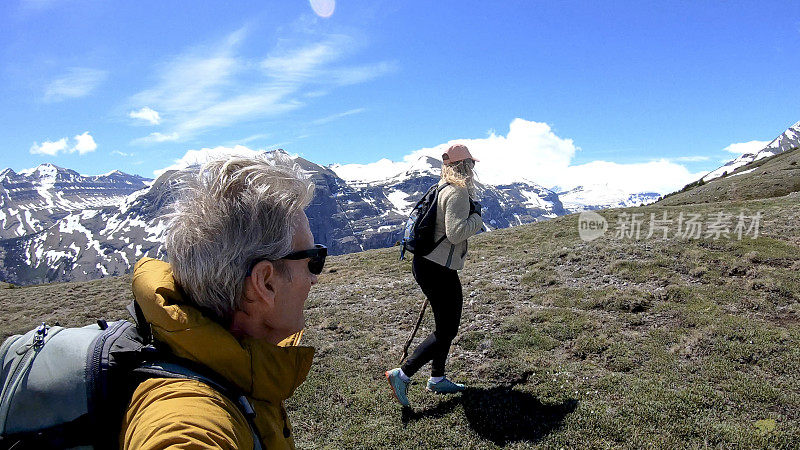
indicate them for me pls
(323, 8)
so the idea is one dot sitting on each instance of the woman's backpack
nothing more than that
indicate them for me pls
(418, 236)
(69, 387)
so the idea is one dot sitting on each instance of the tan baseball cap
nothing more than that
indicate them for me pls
(457, 153)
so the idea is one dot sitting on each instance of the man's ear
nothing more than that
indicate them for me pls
(260, 285)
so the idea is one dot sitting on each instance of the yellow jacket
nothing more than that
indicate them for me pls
(188, 414)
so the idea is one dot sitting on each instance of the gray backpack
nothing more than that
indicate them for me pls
(69, 387)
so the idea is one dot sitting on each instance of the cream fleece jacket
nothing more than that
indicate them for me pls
(454, 221)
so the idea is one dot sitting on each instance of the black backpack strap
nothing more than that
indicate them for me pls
(67, 435)
(436, 244)
(142, 325)
(424, 196)
(189, 370)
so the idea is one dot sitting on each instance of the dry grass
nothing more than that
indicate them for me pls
(769, 177)
(69, 304)
(610, 343)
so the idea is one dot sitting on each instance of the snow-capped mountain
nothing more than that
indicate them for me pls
(62, 226)
(788, 140)
(602, 196)
(371, 214)
(33, 200)
(102, 225)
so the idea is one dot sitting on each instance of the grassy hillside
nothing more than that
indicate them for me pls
(565, 343)
(69, 304)
(769, 177)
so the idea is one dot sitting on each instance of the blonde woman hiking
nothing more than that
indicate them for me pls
(458, 217)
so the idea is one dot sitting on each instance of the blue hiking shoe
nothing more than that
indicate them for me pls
(399, 387)
(444, 386)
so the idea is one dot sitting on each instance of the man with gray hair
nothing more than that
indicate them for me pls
(241, 262)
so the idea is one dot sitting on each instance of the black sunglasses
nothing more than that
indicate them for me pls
(316, 257)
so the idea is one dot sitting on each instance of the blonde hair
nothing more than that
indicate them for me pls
(461, 174)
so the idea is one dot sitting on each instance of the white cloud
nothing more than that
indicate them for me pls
(203, 155)
(190, 82)
(77, 82)
(380, 170)
(333, 117)
(531, 151)
(361, 74)
(83, 143)
(696, 158)
(269, 102)
(252, 138)
(746, 147)
(195, 157)
(146, 114)
(661, 176)
(156, 138)
(119, 153)
(212, 87)
(49, 147)
(298, 64)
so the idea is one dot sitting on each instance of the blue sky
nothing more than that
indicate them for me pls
(652, 88)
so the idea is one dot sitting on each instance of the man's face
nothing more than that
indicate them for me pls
(293, 285)
(276, 292)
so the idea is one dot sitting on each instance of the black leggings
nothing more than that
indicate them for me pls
(443, 289)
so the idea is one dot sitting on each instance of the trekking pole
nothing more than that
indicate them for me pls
(414, 333)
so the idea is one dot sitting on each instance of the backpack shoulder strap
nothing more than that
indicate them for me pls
(142, 325)
(177, 370)
(444, 236)
(439, 191)
(424, 196)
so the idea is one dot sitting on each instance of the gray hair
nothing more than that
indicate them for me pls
(227, 215)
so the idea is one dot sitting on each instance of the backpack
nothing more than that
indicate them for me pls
(418, 236)
(69, 387)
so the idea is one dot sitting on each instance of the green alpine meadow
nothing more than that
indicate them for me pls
(615, 342)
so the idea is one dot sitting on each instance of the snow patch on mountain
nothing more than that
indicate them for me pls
(369, 173)
(100, 226)
(34, 199)
(603, 196)
(399, 200)
(533, 197)
(788, 140)
(744, 172)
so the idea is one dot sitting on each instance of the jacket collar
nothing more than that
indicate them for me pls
(261, 370)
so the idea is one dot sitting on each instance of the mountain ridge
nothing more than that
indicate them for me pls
(787, 140)
(58, 225)
(771, 176)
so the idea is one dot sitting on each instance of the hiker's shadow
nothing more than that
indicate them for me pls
(501, 414)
